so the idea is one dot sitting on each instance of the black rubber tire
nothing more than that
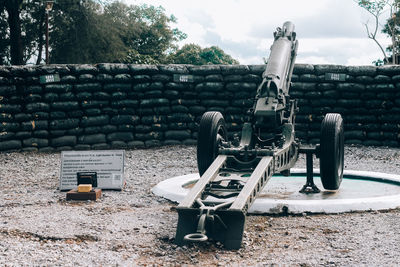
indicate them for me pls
(212, 131)
(332, 151)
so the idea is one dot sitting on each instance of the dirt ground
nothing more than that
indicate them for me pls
(133, 227)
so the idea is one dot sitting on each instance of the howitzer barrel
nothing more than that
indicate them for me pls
(281, 60)
(273, 92)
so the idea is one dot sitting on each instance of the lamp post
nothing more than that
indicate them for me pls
(48, 8)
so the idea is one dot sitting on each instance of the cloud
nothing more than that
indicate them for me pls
(244, 51)
(338, 19)
(344, 22)
(354, 51)
(329, 31)
(201, 17)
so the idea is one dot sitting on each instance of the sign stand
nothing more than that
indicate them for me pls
(85, 190)
(94, 194)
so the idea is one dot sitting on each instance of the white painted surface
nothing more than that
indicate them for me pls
(173, 189)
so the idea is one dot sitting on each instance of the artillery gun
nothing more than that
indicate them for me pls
(233, 173)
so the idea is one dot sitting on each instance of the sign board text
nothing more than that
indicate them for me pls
(109, 165)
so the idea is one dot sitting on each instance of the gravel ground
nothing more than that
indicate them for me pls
(134, 227)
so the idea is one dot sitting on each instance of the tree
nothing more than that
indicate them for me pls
(376, 8)
(22, 29)
(12, 8)
(195, 55)
(145, 31)
(392, 29)
(215, 55)
(4, 39)
(85, 31)
(188, 54)
(79, 34)
(115, 32)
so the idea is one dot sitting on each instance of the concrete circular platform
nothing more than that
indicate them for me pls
(359, 191)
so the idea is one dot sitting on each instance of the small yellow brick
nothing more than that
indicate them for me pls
(83, 188)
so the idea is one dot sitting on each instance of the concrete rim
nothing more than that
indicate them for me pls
(173, 190)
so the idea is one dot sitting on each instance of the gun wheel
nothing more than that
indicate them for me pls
(212, 131)
(332, 151)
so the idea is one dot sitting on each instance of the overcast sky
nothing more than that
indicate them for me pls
(329, 31)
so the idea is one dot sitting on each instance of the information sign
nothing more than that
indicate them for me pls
(50, 78)
(183, 78)
(108, 164)
(340, 77)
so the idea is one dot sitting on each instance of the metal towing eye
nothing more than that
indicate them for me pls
(207, 213)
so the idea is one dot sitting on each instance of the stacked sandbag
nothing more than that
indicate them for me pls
(10, 107)
(126, 106)
(227, 89)
(164, 118)
(368, 99)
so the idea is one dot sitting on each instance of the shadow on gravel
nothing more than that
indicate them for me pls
(42, 238)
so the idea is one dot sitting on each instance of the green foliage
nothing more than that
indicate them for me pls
(24, 33)
(195, 55)
(81, 34)
(33, 27)
(135, 57)
(94, 31)
(113, 33)
(188, 54)
(376, 8)
(89, 31)
(391, 29)
(145, 32)
(378, 62)
(215, 55)
(373, 6)
(4, 40)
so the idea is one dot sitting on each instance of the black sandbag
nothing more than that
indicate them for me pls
(65, 106)
(6, 117)
(163, 110)
(94, 104)
(94, 121)
(180, 117)
(58, 88)
(114, 87)
(154, 119)
(10, 145)
(22, 135)
(64, 124)
(125, 119)
(40, 106)
(177, 134)
(63, 141)
(213, 103)
(177, 126)
(154, 102)
(51, 97)
(35, 142)
(67, 96)
(120, 136)
(101, 96)
(92, 139)
(9, 90)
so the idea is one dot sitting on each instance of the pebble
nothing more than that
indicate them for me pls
(123, 227)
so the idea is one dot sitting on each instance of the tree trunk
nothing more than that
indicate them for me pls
(41, 40)
(14, 22)
(394, 61)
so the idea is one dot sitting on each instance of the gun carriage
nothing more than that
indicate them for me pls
(234, 172)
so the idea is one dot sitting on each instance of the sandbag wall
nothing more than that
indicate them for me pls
(64, 107)
(368, 98)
